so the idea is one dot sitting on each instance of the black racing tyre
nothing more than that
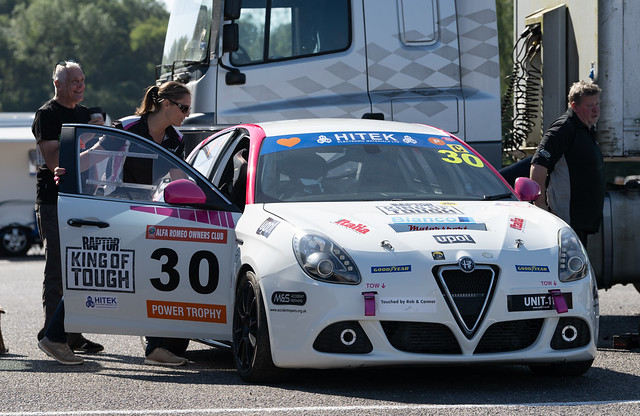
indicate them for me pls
(251, 348)
(15, 240)
(573, 368)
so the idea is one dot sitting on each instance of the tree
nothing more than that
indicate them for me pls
(117, 42)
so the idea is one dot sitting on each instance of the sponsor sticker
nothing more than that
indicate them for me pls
(200, 235)
(535, 302)
(406, 304)
(360, 228)
(101, 302)
(391, 269)
(289, 298)
(401, 228)
(405, 208)
(267, 227)
(531, 268)
(183, 311)
(516, 223)
(454, 238)
(437, 255)
(100, 264)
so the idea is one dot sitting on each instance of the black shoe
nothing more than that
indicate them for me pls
(86, 346)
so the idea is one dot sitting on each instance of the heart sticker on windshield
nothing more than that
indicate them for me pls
(289, 142)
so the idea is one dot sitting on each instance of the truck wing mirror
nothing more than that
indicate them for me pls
(527, 189)
(231, 9)
(230, 38)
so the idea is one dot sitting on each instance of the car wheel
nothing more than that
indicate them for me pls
(15, 240)
(574, 368)
(251, 348)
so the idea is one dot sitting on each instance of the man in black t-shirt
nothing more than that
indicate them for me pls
(568, 164)
(64, 107)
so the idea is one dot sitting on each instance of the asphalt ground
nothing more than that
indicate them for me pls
(117, 382)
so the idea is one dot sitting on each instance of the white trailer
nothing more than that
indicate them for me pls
(428, 61)
(18, 229)
(571, 40)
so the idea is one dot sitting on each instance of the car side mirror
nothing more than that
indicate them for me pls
(527, 189)
(183, 191)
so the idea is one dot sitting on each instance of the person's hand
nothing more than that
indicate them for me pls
(57, 173)
(97, 120)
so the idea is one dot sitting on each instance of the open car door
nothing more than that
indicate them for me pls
(147, 243)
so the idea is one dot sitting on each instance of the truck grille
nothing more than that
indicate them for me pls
(468, 295)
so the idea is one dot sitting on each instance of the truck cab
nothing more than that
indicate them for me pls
(432, 62)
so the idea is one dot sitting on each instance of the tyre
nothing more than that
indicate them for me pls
(15, 240)
(574, 368)
(251, 348)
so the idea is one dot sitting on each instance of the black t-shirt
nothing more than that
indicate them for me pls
(47, 125)
(570, 152)
(139, 170)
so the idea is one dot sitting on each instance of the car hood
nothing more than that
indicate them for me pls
(406, 226)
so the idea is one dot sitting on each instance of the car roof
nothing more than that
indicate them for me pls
(16, 127)
(318, 125)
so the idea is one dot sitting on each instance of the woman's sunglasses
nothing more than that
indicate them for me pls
(184, 108)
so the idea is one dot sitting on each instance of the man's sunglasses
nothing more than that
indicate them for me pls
(184, 108)
(64, 63)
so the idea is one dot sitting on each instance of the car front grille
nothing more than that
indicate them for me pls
(509, 336)
(468, 295)
(421, 337)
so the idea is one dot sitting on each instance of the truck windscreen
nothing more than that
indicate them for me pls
(187, 38)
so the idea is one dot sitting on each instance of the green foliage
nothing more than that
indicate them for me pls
(117, 42)
(504, 10)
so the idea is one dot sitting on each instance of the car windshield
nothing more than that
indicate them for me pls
(373, 166)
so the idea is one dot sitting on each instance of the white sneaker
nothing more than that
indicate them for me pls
(60, 351)
(162, 356)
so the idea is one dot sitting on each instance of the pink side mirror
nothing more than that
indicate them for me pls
(527, 189)
(183, 191)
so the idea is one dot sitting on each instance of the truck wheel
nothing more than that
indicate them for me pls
(574, 368)
(15, 240)
(251, 348)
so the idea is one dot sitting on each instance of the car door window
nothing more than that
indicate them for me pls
(203, 161)
(119, 165)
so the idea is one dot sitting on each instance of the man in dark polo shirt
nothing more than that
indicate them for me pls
(568, 163)
(64, 107)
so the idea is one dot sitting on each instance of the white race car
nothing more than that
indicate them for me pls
(323, 243)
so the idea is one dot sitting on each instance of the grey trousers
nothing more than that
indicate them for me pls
(47, 217)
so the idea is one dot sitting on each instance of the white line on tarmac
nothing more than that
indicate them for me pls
(316, 409)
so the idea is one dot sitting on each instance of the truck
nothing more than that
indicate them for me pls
(431, 61)
(556, 43)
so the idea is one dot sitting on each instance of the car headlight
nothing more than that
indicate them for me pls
(573, 263)
(324, 260)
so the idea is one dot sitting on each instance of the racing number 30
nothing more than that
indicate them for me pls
(168, 267)
(468, 158)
